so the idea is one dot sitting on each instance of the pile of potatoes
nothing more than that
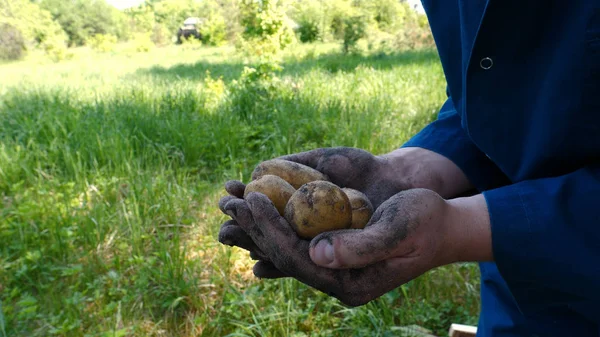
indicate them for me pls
(308, 200)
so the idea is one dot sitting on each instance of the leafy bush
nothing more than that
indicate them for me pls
(355, 28)
(141, 19)
(12, 43)
(57, 52)
(267, 28)
(103, 43)
(161, 36)
(36, 26)
(190, 43)
(214, 30)
(311, 19)
(82, 19)
(388, 15)
(339, 11)
(172, 13)
(309, 31)
(142, 43)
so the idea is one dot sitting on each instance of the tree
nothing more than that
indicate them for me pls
(266, 25)
(81, 19)
(33, 24)
(12, 43)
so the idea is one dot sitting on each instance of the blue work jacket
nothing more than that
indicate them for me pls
(522, 120)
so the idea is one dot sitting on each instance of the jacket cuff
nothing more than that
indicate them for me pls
(517, 247)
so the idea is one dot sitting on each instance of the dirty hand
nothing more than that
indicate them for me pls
(379, 177)
(410, 233)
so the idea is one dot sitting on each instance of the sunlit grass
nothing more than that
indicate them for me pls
(111, 167)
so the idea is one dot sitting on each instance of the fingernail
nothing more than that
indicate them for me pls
(323, 253)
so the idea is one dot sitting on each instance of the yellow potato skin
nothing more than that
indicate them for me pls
(318, 207)
(294, 173)
(276, 189)
(362, 208)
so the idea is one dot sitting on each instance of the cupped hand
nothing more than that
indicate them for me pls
(406, 237)
(379, 177)
(346, 167)
(353, 168)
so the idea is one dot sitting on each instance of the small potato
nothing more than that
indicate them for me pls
(276, 189)
(318, 207)
(294, 173)
(362, 208)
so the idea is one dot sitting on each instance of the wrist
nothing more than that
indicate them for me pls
(414, 167)
(468, 228)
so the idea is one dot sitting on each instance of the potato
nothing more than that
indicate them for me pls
(318, 207)
(276, 189)
(362, 208)
(294, 173)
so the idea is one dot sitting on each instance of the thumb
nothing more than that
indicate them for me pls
(353, 248)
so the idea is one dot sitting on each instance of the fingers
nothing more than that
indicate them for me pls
(231, 234)
(265, 269)
(354, 248)
(235, 188)
(223, 201)
(240, 212)
(265, 214)
(308, 158)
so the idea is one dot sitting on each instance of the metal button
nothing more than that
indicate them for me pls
(486, 63)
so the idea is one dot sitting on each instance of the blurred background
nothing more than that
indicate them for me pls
(121, 120)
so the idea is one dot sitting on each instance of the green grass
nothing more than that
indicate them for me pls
(111, 167)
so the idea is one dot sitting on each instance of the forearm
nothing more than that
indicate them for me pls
(414, 167)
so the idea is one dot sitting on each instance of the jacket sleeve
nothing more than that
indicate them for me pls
(446, 136)
(546, 238)
(545, 232)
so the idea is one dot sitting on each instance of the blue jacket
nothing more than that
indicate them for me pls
(522, 120)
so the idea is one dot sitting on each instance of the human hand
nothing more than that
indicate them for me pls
(231, 234)
(410, 233)
(353, 168)
(379, 177)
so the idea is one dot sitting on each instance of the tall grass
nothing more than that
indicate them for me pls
(110, 172)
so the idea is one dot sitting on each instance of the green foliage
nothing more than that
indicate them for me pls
(191, 43)
(12, 43)
(142, 42)
(389, 15)
(161, 36)
(339, 12)
(111, 169)
(267, 33)
(230, 10)
(309, 31)
(102, 42)
(310, 16)
(36, 26)
(360, 25)
(81, 19)
(172, 13)
(267, 29)
(355, 28)
(141, 19)
(214, 30)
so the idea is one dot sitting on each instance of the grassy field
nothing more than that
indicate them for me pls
(111, 166)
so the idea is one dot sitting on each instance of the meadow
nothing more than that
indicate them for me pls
(111, 167)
